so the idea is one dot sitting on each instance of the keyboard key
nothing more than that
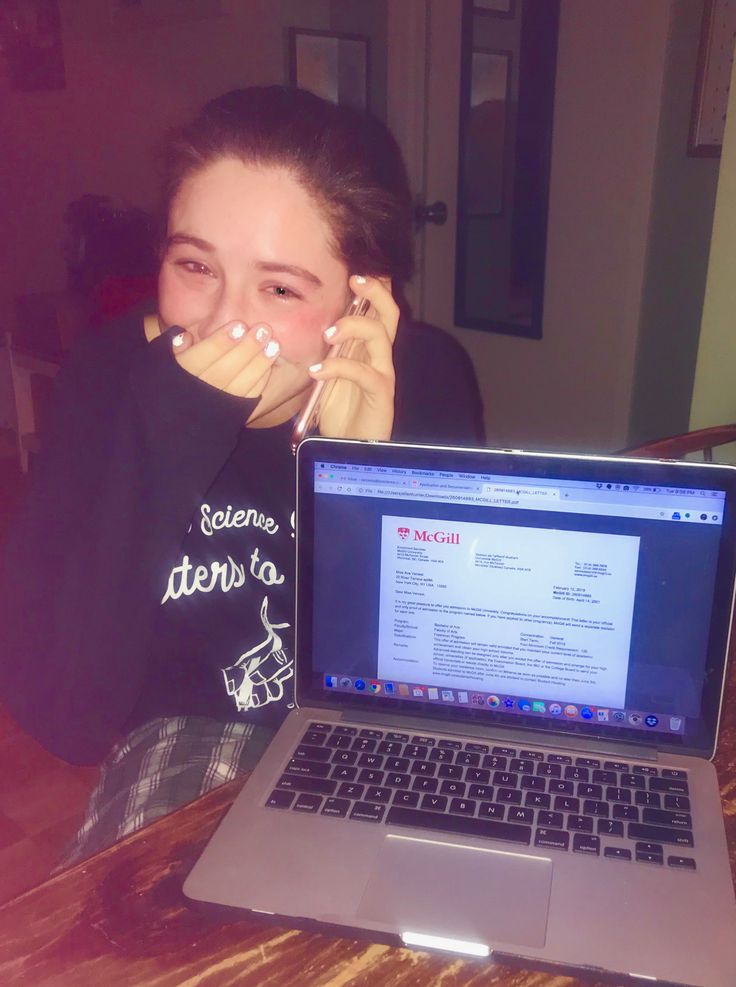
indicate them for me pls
(574, 773)
(674, 773)
(464, 806)
(314, 737)
(477, 748)
(619, 794)
(468, 759)
(453, 788)
(436, 802)
(644, 769)
(533, 755)
(364, 745)
(334, 740)
(587, 762)
(615, 766)
(480, 791)
(550, 820)
(585, 843)
(478, 775)
(280, 799)
(300, 783)
(450, 745)
(399, 780)
(645, 856)
(671, 785)
(629, 812)
(421, 784)
(665, 817)
(509, 795)
(406, 798)
(537, 800)
(491, 810)
(307, 752)
(369, 776)
(415, 751)
(605, 777)
(450, 771)
(346, 731)
(648, 798)
(401, 738)
(504, 751)
(350, 791)
(335, 807)
(522, 765)
(495, 762)
(617, 853)
(312, 769)
(678, 802)
(373, 734)
(610, 827)
(634, 781)
(368, 812)
(307, 803)
(397, 764)
(505, 778)
(441, 754)
(376, 793)
(583, 823)
(389, 748)
(425, 768)
(686, 862)
(565, 804)
(460, 824)
(553, 839)
(546, 770)
(343, 772)
(557, 787)
(586, 791)
(344, 757)
(322, 727)
(517, 814)
(559, 759)
(532, 784)
(660, 834)
(421, 739)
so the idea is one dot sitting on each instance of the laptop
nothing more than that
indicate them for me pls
(509, 673)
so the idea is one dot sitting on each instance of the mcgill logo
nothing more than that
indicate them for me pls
(441, 537)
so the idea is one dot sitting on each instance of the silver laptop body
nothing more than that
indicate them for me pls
(510, 668)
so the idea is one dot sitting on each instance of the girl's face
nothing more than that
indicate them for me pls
(248, 243)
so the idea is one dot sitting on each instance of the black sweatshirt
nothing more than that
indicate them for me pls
(151, 570)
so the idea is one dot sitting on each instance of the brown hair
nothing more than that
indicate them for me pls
(346, 159)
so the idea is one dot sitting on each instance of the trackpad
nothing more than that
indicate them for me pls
(460, 892)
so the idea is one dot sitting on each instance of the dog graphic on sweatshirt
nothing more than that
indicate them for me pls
(257, 677)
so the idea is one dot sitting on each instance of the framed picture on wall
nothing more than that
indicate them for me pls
(334, 66)
(713, 78)
(497, 8)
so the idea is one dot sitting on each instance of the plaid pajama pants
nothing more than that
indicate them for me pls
(159, 767)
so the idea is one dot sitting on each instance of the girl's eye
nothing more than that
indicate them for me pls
(281, 291)
(193, 267)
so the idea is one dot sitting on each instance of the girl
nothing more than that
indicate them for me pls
(148, 586)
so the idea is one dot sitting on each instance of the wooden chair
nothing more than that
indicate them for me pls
(678, 446)
(18, 412)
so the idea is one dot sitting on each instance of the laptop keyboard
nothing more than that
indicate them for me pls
(525, 797)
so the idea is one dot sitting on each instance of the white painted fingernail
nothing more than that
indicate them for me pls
(178, 340)
(237, 331)
(271, 349)
(315, 368)
(359, 279)
(262, 332)
(329, 333)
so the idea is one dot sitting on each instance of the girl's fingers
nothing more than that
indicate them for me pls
(375, 386)
(246, 361)
(181, 340)
(378, 293)
(201, 355)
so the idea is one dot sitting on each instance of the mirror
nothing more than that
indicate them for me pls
(509, 53)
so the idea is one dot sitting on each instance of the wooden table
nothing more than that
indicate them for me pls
(120, 919)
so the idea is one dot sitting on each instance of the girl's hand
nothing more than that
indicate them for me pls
(233, 359)
(360, 403)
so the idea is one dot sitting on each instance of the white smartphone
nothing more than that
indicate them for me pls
(309, 418)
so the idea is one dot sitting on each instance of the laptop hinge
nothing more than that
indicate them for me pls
(519, 737)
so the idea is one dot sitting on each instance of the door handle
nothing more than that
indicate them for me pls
(436, 213)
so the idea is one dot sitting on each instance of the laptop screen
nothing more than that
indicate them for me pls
(566, 594)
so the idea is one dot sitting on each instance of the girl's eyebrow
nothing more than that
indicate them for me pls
(192, 241)
(276, 267)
